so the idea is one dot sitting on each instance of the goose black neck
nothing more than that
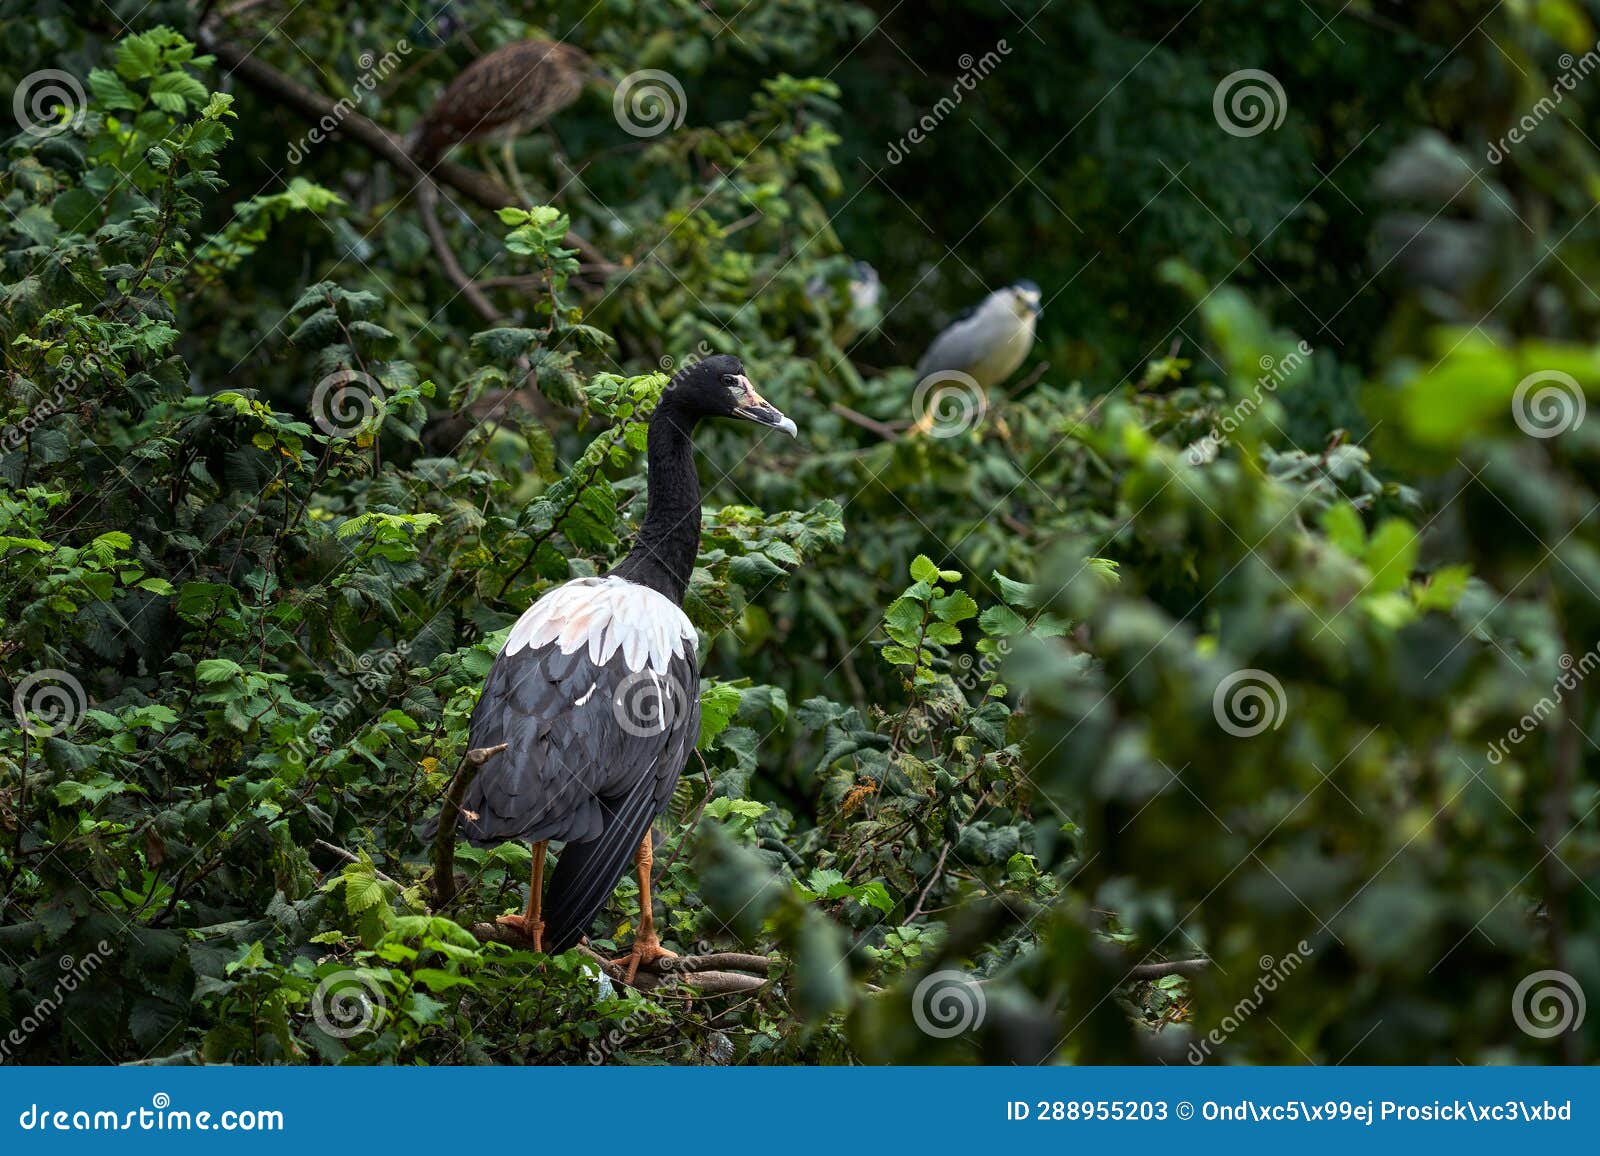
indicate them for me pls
(664, 552)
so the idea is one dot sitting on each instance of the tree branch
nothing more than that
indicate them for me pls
(856, 417)
(444, 841)
(427, 205)
(370, 135)
(1142, 971)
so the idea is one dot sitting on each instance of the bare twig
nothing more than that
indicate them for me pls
(1038, 371)
(872, 424)
(427, 206)
(938, 869)
(1166, 967)
(349, 857)
(444, 842)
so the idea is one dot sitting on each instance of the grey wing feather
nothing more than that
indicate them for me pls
(573, 772)
(958, 347)
(566, 750)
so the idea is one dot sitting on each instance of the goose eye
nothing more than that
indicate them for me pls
(727, 380)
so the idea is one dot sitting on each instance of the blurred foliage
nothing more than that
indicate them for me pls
(272, 490)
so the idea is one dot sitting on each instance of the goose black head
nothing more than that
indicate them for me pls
(717, 387)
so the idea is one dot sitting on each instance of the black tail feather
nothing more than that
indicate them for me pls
(587, 873)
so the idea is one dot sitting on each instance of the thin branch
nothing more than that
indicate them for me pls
(1166, 967)
(887, 433)
(370, 135)
(938, 869)
(350, 857)
(427, 206)
(444, 841)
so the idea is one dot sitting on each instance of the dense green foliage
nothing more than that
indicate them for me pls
(977, 701)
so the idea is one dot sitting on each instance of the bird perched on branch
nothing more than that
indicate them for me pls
(596, 692)
(502, 95)
(989, 343)
(856, 302)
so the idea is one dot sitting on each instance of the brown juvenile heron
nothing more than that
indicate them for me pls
(503, 95)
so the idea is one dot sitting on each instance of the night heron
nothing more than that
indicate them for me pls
(596, 693)
(855, 301)
(989, 343)
(503, 95)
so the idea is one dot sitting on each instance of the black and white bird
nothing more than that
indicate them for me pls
(596, 692)
(991, 342)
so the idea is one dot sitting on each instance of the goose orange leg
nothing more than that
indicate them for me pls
(529, 923)
(647, 948)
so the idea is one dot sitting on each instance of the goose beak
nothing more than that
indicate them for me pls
(758, 409)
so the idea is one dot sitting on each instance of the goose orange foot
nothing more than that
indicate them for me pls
(530, 929)
(647, 950)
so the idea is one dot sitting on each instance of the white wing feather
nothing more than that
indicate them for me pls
(605, 615)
